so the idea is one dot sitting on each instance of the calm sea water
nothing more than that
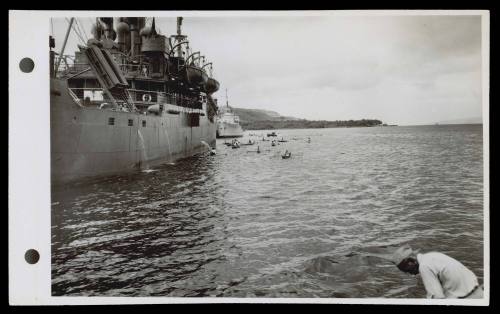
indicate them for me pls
(243, 224)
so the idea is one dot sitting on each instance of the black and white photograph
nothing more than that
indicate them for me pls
(295, 156)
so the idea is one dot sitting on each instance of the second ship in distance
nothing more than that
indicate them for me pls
(228, 123)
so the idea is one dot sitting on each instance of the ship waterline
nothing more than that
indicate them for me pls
(229, 130)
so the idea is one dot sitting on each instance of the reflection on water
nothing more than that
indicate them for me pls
(240, 224)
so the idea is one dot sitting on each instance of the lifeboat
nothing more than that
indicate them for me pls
(195, 75)
(204, 77)
(211, 86)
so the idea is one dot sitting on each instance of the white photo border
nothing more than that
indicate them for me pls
(29, 159)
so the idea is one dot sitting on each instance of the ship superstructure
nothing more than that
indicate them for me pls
(228, 123)
(129, 98)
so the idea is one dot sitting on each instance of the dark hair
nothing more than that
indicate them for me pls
(406, 264)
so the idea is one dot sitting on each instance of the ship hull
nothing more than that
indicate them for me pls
(229, 130)
(84, 142)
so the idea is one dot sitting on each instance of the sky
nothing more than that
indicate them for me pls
(404, 70)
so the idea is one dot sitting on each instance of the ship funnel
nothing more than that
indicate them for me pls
(123, 31)
(97, 30)
(147, 31)
(107, 23)
(135, 39)
(179, 24)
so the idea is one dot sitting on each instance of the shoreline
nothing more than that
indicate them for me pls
(348, 127)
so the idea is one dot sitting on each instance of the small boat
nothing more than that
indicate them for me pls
(213, 152)
(271, 134)
(309, 140)
(273, 143)
(264, 139)
(282, 140)
(286, 155)
(250, 142)
(258, 149)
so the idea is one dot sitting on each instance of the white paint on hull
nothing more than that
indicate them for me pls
(229, 130)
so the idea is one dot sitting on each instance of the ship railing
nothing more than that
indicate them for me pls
(64, 61)
(72, 68)
(75, 98)
(89, 96)
(144, 97)
(96, 98)
(142, 69)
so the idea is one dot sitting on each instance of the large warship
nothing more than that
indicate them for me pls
(129, 98)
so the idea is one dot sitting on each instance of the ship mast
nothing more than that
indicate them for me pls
(179, 38)
(64, 45)
(227, 102)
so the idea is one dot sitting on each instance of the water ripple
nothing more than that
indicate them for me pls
(240, 224)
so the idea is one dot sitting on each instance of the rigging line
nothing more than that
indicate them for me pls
(78, 27)
(84, 32)
(76, 32)
(91, 23)
(82, 29)
(79, 35)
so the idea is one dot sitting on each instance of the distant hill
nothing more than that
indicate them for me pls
(475, 120)
(253, 115)
(258, 119)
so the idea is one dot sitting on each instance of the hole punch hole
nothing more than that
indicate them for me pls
(26, 65)
(32, 256)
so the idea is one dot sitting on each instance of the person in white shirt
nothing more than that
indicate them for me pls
(443, 276)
